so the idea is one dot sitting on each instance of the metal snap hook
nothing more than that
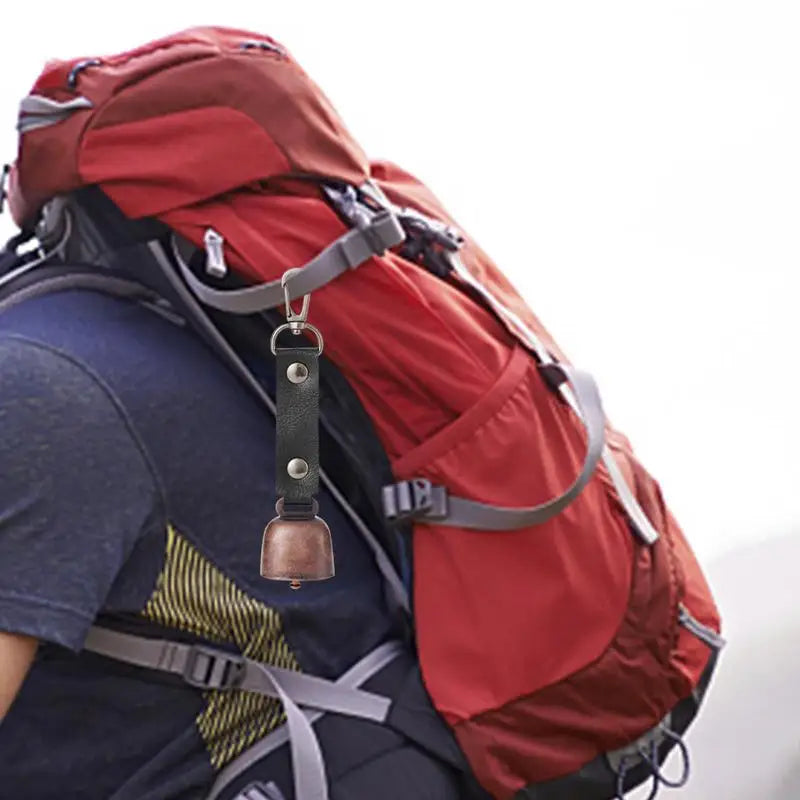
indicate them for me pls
(296, 321)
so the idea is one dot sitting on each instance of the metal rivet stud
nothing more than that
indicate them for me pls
(297, 372)
(297, 468)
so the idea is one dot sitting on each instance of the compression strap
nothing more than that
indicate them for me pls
(212, 668)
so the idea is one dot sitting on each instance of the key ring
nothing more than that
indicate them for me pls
(296, 321)
(307, 326)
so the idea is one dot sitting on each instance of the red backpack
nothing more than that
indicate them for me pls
(564, 628)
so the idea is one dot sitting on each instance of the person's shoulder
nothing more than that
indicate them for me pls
(67, 353)
(38, 375)
(48, 396)
(132, 347)
(79, 489)
(169, 389)
(76, 320)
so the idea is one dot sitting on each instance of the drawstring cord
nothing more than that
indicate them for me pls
(649, 754)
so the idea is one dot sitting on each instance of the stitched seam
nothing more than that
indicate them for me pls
(40, 603)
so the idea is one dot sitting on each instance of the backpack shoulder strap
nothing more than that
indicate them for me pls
(48, 280)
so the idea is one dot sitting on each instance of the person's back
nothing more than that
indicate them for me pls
(137, 475)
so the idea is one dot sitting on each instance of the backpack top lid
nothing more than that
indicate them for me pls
(154, 127)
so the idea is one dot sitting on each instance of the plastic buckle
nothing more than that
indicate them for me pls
(345, 200)
(432, 231)
(553, 375)
(383, 232)
(260, 791)
(417, 498)
(448, 237)
(209, 668)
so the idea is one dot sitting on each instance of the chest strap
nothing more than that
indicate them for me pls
(212, 668)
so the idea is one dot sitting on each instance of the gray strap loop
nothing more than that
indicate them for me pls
(463, 513)
(360, 672)
(37, 111)
(39, 104)
(641, 524)
(638, 519)
(308, 765)
(313, 692)
(347, 252)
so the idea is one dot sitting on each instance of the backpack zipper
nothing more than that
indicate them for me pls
(215, 254)
(260, 44)
(701, 631)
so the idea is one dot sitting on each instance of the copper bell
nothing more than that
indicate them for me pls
(296, 550)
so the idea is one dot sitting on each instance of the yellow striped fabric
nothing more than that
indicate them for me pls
(192, 595)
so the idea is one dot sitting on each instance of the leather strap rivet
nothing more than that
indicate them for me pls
(297, 372)
(297, 468)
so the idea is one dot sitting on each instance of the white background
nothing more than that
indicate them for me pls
(634, 168)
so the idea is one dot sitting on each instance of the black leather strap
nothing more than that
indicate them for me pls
(297, 426)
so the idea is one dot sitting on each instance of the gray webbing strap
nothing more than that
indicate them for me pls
(118, 287)
(641, 524)
(308, 690)
(362, 671)
(635, 512)
(590, 409)
(37, 111)
(213, 668)
(308, 765)
(347, 252)
(460, 512)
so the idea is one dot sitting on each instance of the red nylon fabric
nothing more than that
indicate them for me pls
(542, 647)
(156, 163)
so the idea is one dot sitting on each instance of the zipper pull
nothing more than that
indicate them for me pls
(215, 256)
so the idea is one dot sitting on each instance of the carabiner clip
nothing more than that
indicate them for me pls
(296, 321)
